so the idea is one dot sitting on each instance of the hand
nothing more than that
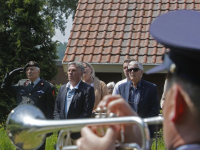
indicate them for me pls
(116, 104)
(16, 71)
(90, 141)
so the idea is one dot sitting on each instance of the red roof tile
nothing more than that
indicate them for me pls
(110, 31)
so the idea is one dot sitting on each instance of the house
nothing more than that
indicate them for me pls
(106, 32)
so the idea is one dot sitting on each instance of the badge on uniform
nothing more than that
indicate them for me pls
(40, 91)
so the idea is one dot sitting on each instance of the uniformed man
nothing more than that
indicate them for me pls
(34, 90)
(179, 31)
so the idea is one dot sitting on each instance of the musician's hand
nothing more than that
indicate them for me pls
(90, 141)
(116, 104)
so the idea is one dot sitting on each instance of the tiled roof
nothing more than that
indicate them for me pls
(110, 31)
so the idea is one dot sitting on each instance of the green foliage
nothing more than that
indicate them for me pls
(25, 34)
(160, 141)
(57, 87)
(51, 141)
(59, 11)
(61, 49)
(5, 143)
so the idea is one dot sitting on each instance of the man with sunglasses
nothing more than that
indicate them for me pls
(141, 95)
(125, 69)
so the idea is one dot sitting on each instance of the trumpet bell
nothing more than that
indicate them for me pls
(20, 127)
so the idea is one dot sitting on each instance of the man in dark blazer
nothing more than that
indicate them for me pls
(76, 98)
(140, 94)
(34, 90)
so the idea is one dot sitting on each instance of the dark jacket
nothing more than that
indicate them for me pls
(81, 105)
(148, 105)
(41, 96)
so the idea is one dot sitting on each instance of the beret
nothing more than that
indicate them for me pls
(31, 64)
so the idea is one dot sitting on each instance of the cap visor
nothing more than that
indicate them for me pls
(156, 69)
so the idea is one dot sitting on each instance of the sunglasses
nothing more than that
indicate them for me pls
(133, 69)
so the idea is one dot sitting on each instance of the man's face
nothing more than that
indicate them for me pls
(32, 73)
(125, 68)
(136, 74)
(110, 89)
(74, 74)
(87, 72)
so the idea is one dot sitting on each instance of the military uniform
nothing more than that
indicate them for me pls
(41, 96)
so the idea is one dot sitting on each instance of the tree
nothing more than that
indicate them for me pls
(25, 34)
(59, 11)
(61, 49)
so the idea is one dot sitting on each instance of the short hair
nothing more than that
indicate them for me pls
(38, 68)
(111, 83)
(189, 87)
(79, 65)
(128, 60)
(89, 65)
(136, 63)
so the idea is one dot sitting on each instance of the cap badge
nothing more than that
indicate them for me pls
(172, 68)
(31, 63)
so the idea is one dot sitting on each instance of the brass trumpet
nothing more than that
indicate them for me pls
(27, 128)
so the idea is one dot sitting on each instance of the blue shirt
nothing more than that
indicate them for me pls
(35, 82)
(70, 94)
(134, 96)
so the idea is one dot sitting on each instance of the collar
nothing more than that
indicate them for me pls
(71, 87)
(36, 81)
(138, 85)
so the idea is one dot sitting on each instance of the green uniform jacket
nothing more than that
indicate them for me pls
(41, 96)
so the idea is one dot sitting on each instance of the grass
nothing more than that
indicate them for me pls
(5, 143)
(160, 141)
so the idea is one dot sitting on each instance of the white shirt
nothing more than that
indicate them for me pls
(69, 100)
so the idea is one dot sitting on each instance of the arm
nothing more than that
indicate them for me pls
(89, 103)
(6, 85)
(154, 104)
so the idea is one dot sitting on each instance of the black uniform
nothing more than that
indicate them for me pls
(41, 96)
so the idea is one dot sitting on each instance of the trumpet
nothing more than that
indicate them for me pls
(27, 128)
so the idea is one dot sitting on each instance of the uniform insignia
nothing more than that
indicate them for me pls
(31, 63)
(53, 92)
(41, 91)
(26, 82)
(42, 83)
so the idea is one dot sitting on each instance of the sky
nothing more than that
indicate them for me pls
(59, 35)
